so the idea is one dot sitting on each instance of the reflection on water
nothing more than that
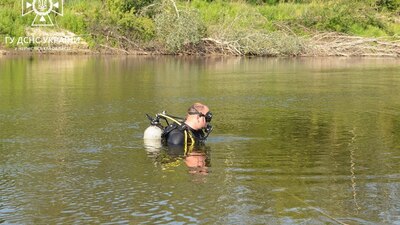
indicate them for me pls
(198, 162)
(311, 140)
(197, 159)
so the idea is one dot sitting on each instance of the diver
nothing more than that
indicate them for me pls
(185, 137)
(189, 132)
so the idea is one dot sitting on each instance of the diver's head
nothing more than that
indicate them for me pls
(198, 116)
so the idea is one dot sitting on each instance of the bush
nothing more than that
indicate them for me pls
(127, 5)
(115, 24)
(122, 13)
(391, 5)
(242, 29)
(342, 16)
(12, 24)
(177, 28)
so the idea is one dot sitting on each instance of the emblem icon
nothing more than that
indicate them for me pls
(43, 9)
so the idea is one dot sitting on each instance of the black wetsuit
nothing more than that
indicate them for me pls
(174, 135)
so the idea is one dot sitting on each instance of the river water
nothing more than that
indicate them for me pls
(295, 141)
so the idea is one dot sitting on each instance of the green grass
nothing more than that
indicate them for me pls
(283, 12)
(12, 24)
(350, 17)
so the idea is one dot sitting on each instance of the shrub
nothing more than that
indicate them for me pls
(391, 5)
(115, 24)
(12, 24)
(242, 29)
(177, 28)
(341, 16)
(127, 5)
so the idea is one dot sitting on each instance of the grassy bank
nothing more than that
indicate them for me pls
(253, 27)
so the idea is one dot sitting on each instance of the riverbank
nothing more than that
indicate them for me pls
(198, 27)
(320, 45)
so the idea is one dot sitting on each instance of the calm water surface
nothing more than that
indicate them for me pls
(296, 141)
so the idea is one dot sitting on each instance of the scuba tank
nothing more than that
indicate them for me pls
(152, 138)
(152, 133)
(155, 130)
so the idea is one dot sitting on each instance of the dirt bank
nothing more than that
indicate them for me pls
(47, 41)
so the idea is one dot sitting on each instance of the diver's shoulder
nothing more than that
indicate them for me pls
(176, 137)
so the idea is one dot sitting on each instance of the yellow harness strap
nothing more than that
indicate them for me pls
(186, 141)
(187, 134)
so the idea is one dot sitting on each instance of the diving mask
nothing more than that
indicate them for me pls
(209, 127)
(208, 116)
